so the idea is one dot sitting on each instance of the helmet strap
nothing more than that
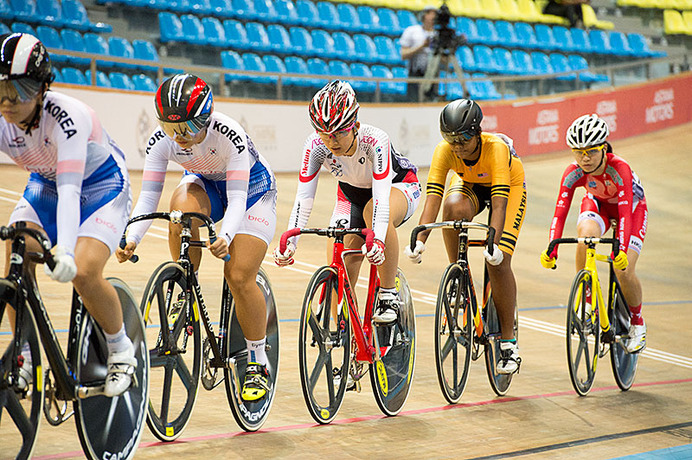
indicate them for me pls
(355, 132)
(36, 117)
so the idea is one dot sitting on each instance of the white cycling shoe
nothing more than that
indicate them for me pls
(121, 368)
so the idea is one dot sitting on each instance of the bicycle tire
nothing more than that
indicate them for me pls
(111, 426)
(324, 347)
(624, 364)
(175, 375)
(582, 334)
(251, 415)
(498, 382)
(24, 408)
(392, 375)
(453, 333)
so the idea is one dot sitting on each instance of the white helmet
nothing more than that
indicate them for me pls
(587, 131)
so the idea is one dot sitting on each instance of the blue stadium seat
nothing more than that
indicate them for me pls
(73, 41)
(3, 28)
(406, 18)
(253, 62)
(563, 36)
(274, 64)
(348, 16)
(401, 72)
(522, 60)
(600, 43)
(387, 51)
(328, 16)
(214, 32)
(580, 38)
(465, 57)
(96, 44)
(307, 13)
(526, 35)
(199, 7)
(221, 8)
(545, 38)
(366, 51)
(485, 61)
(619, 44)
(57, 76)
(120, 47)
(257, 36)
(301, 41)
(50, 12)
(236, 36)
(145, 50)
(504, 61)
(179, 6)
(51, 39)
(506, 34)
(483, 88)
(579, 64)
(193, 32)
(387, 87)
(358, 69)
(101, 79)
(541, 63)
(264, 11)
(389, 22)
(340, 68)
(286, 12)
(467, 26)
(452, 90)
(244, 9)
(75, 15)
(297, 65)
(317, 66)
(144, 83)
(170, 27)
(344, 44)
(25, 10)
(23, 28)
(121, 81)
(369, 20)
(560, 64)
(640, 47)
(487, 32)
(323, 43)
(232, 60)
(279, 39)
(73, 76)
(6, 12)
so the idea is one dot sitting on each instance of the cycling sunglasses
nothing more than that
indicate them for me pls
(340, 134)
(184, 130)
(590, 152)
(458, 138)
(19, 90)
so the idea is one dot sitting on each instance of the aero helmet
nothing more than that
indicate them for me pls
(184, 98)
(587, 131)
(460, 120)
(334, 107)
(25, 62)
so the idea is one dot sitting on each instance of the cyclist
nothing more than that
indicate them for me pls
(613, 194)
(486, 167)
(378, 188)
(225, 178)
(78, 191)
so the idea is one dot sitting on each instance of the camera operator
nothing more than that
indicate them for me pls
(416, 48)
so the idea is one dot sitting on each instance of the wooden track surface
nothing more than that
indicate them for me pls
(541, 417)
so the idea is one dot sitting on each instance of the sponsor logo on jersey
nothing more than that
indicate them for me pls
(231, 134)
(18, 142)
(62, 118)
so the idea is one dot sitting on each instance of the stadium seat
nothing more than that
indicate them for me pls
(301, 41)
(51, 39)
(541, 63)
(4, 29)
(96, 44)
(244, 9)
(221, 8)
(563, 37)
(121, 81)
(257, 36)
(366, 51)
(232, 60)
(590, 19)
(487, 32)
(6, 12)
(510, 8)
(344, 44)
(545, 38)
(369, 20)
(73, 41)
(600, 42)
(530, 12)
(506, 34)
(466, 59)
(264, 11)
(279, 40)
(274, 64)
(526, 35)
(144, 83)
(317, 66)
(145, 50)
(57, 76)
(389, 22)
(25, 10)
(75, 15)
(386, 86)
(619, 44)
(101, 79)
(252, 62)
(73, 76)
(170, 27)
(467, 26)
(297, 65)
(491, 9)
(401, 72)
(348, 17)
(120, 47)
(286, 12)
(307, 13)
(22, 28)
(452, 90)
(578, 63)
(339, 68)
(358, 69)
(50, 12)
(640, 46)
(323, 44)
(406, 18)
(484, 58)
(193, 32)
(580, 38)
(236, 36)
(505, 63)
(199, 7)
(328, 16)
(214, 32)
(560, 64)
(522, 61)
(387, 51)
(481, 88)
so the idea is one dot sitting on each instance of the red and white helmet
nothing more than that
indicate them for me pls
(587, 131)
(334, 107)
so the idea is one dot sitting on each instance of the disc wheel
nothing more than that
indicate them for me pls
(582, 334)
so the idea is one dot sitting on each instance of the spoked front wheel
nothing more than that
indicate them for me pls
(453, 329)
(112, 427)
(173, 335)
(583, 333)
(20, 405)
(391, 376)
(324, 346)
(624, 363)
(251, 415)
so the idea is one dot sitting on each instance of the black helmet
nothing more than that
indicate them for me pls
(24, 61)
(184, 98)
(460, 120)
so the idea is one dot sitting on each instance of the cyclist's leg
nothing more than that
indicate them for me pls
(460, 202)
(593, 221)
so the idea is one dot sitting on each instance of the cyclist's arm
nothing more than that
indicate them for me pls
(435, 188)
(237, 183)
(625, 201)
(382, 175)
(572, 178)
(500, 176)
(313, 157)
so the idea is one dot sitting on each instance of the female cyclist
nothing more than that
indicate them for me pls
(378, 188)
(225, 178)
(485, 167)
(78, 191)
(613, 194)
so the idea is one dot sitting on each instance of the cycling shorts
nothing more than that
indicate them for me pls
(593, 209)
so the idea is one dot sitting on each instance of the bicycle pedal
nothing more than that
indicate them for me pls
(608, 336)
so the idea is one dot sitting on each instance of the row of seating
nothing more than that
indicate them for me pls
(676, 23)
(72, 40)
(118, 80)
(65, 13)
(658, 4)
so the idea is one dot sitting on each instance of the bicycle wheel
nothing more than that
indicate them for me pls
(23, 407)
(583, 334)
(453, 329)
(251, 415)
(498, 382)
(392, 375)
(175, 365)
(111, 427)
(324, 346)
(624, 364)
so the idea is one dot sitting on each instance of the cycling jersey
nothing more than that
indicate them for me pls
(226, 154)
(76, 170)
(368, 173)
(618, 186)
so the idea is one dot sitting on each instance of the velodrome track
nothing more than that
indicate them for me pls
(540, 418)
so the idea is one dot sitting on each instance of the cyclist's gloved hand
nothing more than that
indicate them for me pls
(620, 261)
(376, 254)
(124, 254)
(65, 268)
(496, 258)
(416, 255)
(548, 261)
(286, 258)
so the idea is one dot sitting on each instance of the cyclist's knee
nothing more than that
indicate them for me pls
(240, 279)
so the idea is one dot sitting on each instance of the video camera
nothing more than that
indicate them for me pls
(446, 40)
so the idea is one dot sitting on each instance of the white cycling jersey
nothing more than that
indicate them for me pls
(71, 152)
(226, 154)
(371, 170)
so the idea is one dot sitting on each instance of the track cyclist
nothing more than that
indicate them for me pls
(378, 188)
(78, 191)
(613, 194)
(225, 178)
(486, 167)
